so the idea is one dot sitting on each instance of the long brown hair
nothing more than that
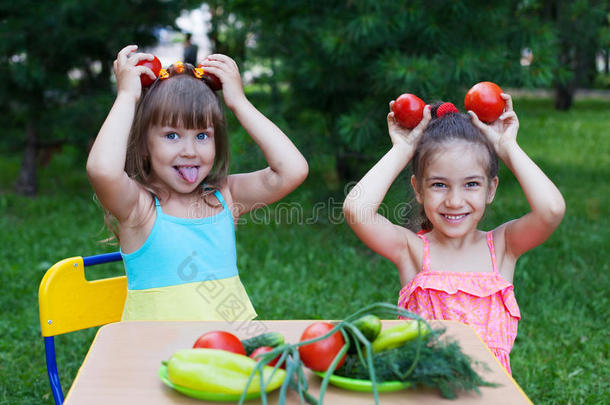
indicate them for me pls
(440, 131)
(180, 100)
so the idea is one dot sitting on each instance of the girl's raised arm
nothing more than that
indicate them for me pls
(546, 202)
(106, 162)
(362, 203)
(287, 167)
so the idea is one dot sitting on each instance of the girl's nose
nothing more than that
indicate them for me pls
(188, 148)
(454, 199)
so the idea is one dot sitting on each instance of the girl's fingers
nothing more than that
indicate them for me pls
(221, 58)
(138, 57)
(391, 118)
(509, 101)
(507, 114)
(213, 64)
(146, 71)
(428, 111)
(391, 104)
(214, 70)
(123, 53)
(475, 120)
(425, 119)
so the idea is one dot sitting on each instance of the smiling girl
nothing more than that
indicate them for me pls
(159, 167)
(450, 269)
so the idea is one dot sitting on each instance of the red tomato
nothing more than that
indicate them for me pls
(260, 351)
(484, 99)
(408, 110)
(215, 83)
(319, 355)
(154, 65)
(220, 340)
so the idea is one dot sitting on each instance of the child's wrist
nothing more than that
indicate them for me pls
(240, 103)
(404, 152)
(126, 96)
(507, 149)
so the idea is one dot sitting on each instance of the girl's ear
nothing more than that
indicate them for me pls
(416, 189)
(493, 186)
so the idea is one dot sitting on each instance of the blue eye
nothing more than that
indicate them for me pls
(472, 184)
(202, 136)
(438, 185)
(171, 135)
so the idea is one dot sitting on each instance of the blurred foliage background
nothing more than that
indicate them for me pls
(332, 63)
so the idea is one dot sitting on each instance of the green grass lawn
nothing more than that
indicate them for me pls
(316, 268)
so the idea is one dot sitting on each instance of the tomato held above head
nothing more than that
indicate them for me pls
(213, 81)
(319, 355)
(154, 65)
(220, 340)
(485, 100)
(260, 352)
(408, 110)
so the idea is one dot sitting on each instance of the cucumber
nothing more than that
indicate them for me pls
(369, 325)
(271, 339)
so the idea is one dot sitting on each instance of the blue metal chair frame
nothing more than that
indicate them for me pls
(49, 341)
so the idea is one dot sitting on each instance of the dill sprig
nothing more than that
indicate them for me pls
(439, 363)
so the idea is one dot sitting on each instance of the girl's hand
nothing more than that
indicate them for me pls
(502, 133)
(404, 137)
(226, 70)
(128, 74)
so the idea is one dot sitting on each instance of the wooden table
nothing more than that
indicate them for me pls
(123, 362)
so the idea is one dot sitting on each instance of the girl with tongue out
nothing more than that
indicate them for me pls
(449, 269)
(159, 167)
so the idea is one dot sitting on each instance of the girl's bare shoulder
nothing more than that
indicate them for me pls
(411, 258)
(134, 230)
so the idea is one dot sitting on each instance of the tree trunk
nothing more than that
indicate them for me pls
(26, 182)
(564, 95)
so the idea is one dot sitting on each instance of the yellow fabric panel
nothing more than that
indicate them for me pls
(68, 302)
(211, 300)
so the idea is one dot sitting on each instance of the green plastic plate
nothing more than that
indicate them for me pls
(353, 384)
(205, 395)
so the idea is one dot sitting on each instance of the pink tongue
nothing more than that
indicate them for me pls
(189, 173)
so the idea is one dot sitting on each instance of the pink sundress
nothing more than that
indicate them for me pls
(485, 301)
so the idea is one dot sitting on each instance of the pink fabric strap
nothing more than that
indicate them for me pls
(492, 251)
(426, 259)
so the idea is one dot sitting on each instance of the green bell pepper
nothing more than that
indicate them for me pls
(219, 371)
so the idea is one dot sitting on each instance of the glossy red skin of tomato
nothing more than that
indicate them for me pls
(485, 100)
(408, 110)
(154, 65)
(260, 351)
(214, 82)
(220, 340)
(319, 355)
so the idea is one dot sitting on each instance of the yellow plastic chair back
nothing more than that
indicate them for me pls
(68, 302)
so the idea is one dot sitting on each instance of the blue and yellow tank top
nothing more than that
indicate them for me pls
(187, 270)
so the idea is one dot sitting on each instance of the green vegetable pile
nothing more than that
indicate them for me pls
(410, 352)
(435, 364)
